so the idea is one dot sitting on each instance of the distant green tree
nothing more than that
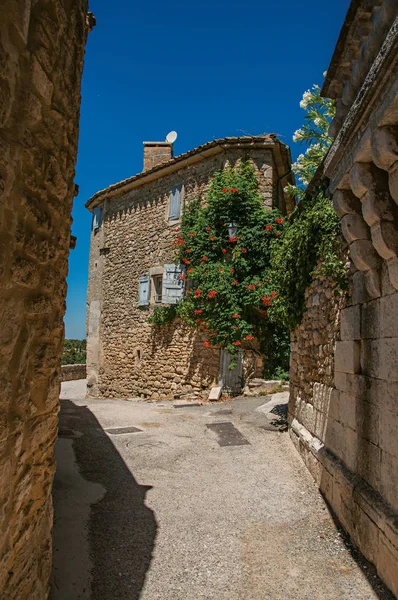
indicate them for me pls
(74, 352)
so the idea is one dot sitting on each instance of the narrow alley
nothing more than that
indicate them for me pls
(155, 502)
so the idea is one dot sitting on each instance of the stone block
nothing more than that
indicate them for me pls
(367, 420)
(348, 410)
(347, 357)
(366, 536)
(335, 438)
(389, 479)
(350, 323)
(389, 316)
(387, 560)
(356, 385)
(384, 394)
(351, 449)
(388, 431)
(369, 463)
(370, 323)
(359, 291)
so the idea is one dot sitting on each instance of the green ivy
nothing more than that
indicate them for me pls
(312, 245)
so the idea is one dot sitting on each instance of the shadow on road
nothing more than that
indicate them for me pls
(121, 529)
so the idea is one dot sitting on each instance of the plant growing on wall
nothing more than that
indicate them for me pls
(311, 244)
(314, 133)
(226, 245)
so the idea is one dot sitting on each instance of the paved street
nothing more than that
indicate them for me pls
(173, 509)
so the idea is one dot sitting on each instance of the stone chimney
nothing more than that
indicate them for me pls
(156, 153)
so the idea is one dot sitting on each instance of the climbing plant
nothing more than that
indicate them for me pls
(311, 243)
(226, 244)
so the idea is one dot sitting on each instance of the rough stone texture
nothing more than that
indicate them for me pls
(42, 46)
(346, 428)
(73, 372)
(126, 356)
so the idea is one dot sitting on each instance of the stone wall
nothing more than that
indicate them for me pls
(126, 356)
(73, 372)
(42, 46)
(344, 420)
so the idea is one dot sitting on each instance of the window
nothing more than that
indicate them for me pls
(157, 288)
(97, 217)
(175, 204)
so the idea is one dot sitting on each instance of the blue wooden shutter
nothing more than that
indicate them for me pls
(173, 286)
(97, 217)
(175, 203)
(143, 290)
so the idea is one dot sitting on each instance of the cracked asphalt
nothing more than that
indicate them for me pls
(178, 511)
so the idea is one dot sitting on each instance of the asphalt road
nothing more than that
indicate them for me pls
(207, 502)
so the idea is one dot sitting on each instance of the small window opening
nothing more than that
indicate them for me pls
(157, 285)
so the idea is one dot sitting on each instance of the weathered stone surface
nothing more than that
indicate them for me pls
(35, 221)
(347, 356)
(359, 460)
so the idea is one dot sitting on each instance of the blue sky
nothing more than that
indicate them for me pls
(207, 70)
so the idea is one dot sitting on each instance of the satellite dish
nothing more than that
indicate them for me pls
(171, 137)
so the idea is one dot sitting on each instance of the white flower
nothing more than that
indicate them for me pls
(318, 121)
(297, 135)
(306, 99)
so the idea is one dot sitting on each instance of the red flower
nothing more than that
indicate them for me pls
(244, 250)
(182, 277)
(208, 228)
(190, 271)
(266, 300)
(233, 239)
(236, 328)
(274, 295)
(233, 190)
(268, 227)
(236, 316)
(249, 337)
(204, 259)
(232, 270)
(188, 249)
(220, 269)
(225, 190)
(237, 343)
(207, 344)
(197, 293)
(267, 280)
(198, 321)
(278, 233)
(235, 282)
(251, 287)
(177, 229)
(191, 234)
(197, 311)
(212, 293)
(279, 221)
(224, 250)
(186, 261)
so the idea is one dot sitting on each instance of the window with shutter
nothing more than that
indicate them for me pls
(143, 290)
(173, 284)
(175, 203)
(97, 217)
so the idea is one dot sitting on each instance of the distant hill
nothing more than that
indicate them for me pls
(74, 352)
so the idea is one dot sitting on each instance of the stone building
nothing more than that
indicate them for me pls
(132, 268)
(42, 50)
(344, 363)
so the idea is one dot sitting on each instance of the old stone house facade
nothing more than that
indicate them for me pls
(344, 362)
(132, 268)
